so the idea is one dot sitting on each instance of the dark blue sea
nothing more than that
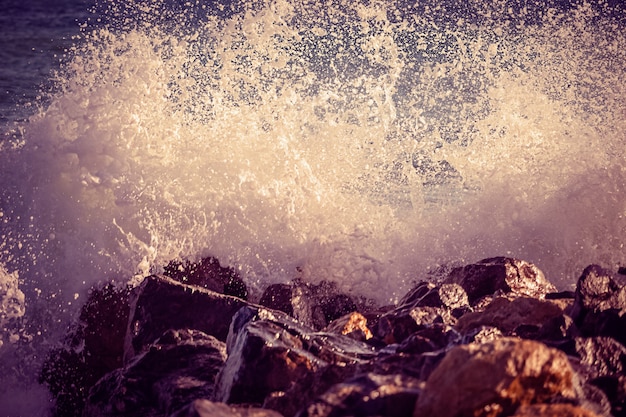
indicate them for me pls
(371, 143)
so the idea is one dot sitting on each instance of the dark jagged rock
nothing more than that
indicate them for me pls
(475, 344)
(429, 339)
(503, 275)
(206, 408)
(600, 304)
(278, 297)
(425, 305)
(305, 389)
(93, 347)
(418, 366)
(178, 368)
(159, 303)
(495, 378)
(209, 274)
(523, 316)
(602, 363)
(313, 305)
(269, 351)
(367, 395)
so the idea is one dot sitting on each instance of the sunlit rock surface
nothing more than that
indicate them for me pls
(495, 378)
(502, 275)
(491, 342)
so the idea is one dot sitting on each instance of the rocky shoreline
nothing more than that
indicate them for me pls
(492, 338)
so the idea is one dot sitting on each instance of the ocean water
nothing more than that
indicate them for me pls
(373, 143)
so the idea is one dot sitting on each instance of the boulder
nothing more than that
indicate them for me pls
(600, 304)
(206, 408)
(313, 305)
(268, 352)
(500, 275)
(495, 378)
(367, 395)
(93, 347)
(353, 325)
(523, 316)
(160, 303)
(178, 368)
(553, 410)
(424, 306)
(307, 388)
(209, 274)
(602, 363)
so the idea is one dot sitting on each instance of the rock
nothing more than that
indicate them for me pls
(206, 408)
(418, 366)
(306, 389)
(503, 275)
(526, 317)
(159, 303)
(600, 304)
(425, 305)
(553, 410)
(209, 274)
(426, 294)
(602, 363)
(179, 367)
(93, 347)
(278, 297)
(313, 305)
(429, 339)
(495, 378)
(353, 325)
(367, 395)
(269, 351)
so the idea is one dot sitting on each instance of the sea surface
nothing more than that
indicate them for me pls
(372, 143)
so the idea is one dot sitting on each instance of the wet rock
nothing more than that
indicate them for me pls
(429, 339)
(159, 303)
(313, 305)
(269, 351)
(93, 347)
(526, 317)
(553, 410)
(367, 395)
(209, 274)
(425, 305)
(278, 297)
(306, 389)
(602, 363)
(179, 367)
(495, 378)
(500, 275)
(206, 408)
(353, 325)
(418, 366)
(600, 304)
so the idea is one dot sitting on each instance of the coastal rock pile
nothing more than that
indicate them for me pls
(491, 339)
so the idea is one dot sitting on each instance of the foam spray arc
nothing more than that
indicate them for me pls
(362, 142)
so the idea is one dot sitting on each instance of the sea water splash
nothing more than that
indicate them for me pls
(368, 143)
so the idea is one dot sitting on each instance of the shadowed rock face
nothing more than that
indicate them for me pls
(490, 340)
(600, 303)
(178, 368)
(160, 304)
